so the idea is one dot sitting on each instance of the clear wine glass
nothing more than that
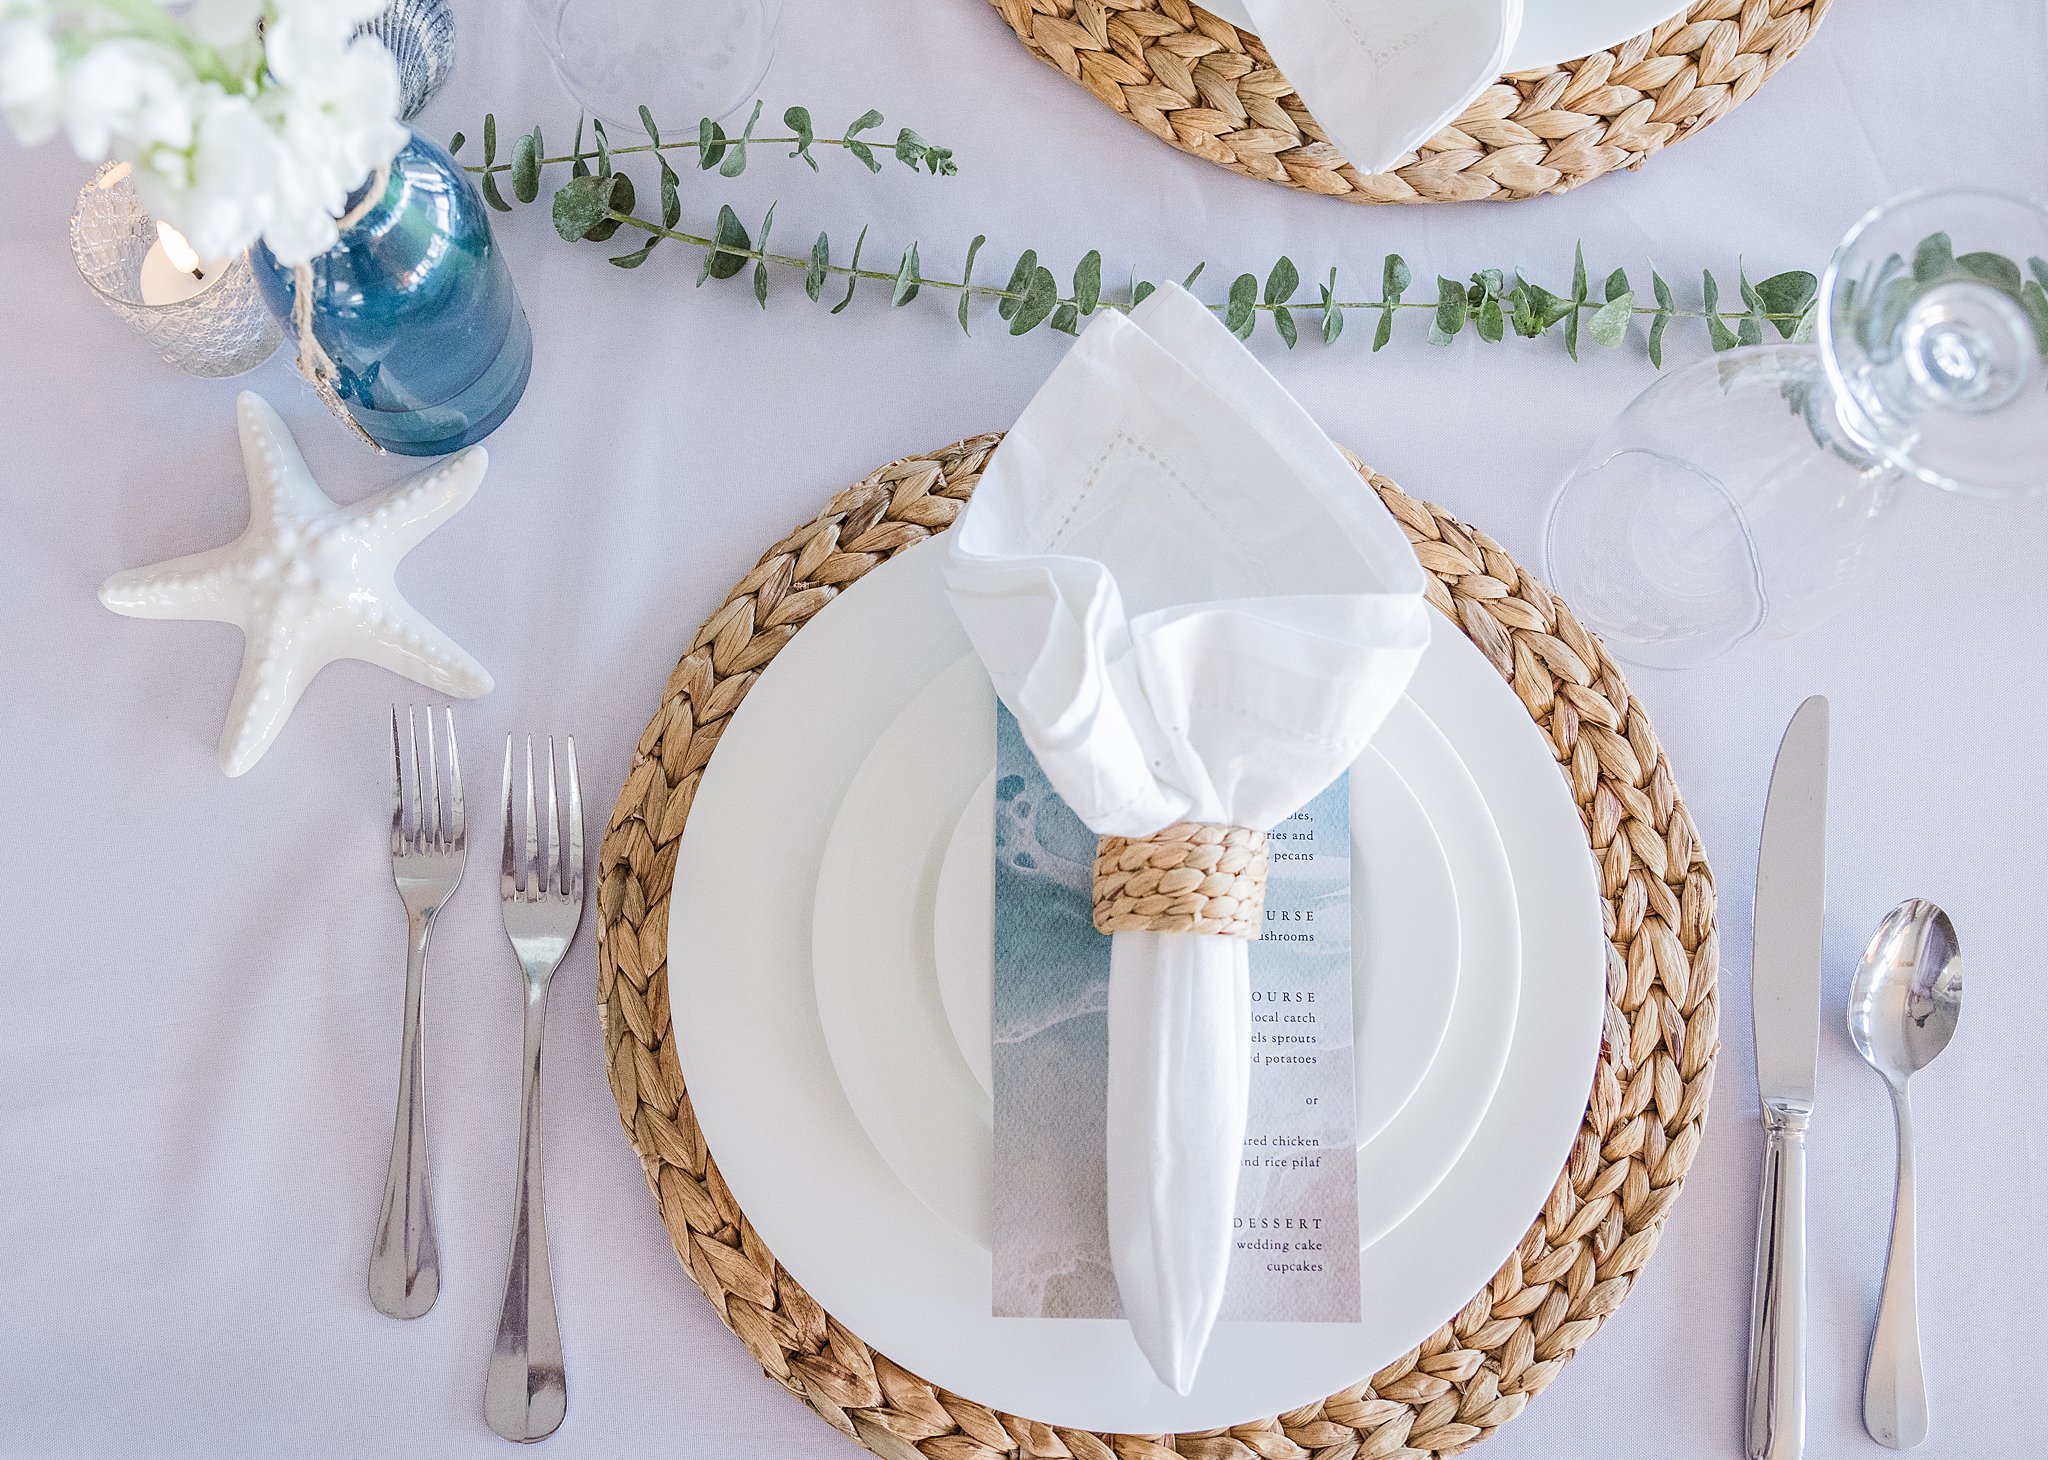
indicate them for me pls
(1733, 497)
(681, 59)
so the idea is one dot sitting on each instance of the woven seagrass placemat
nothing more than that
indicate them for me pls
(1577, 1261)
(1206, 87)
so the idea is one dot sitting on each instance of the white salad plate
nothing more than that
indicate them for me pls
(907, 1281)
(1553, 31)
(902, 954)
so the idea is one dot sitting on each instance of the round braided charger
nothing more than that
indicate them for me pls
(1201, 84)
(1574, 1266)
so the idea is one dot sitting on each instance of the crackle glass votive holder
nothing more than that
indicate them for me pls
(222, 328)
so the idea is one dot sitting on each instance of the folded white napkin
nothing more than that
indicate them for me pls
(1197, 611)
(1384, 76)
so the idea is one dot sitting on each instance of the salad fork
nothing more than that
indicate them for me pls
(525, 1393)
(428, 850)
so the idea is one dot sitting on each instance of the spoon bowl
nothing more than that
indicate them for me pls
(1903, 1005)
(1908, 991)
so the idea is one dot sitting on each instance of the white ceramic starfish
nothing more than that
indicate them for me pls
(309, 582)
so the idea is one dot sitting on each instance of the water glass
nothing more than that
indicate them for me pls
(681, 59)
(1733, 499)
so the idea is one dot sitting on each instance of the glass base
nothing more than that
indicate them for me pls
(466, 417)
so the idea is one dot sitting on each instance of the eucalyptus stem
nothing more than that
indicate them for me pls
(597, 201)
(750, 254)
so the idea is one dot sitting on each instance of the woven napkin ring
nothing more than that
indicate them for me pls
(1193, 877)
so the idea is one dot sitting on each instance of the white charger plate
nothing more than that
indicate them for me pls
(1553, 31)
(906, 883)
(821, 1197)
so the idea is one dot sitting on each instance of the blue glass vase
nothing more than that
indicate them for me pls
(417, 310)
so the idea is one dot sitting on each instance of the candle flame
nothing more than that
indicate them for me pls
(181, 254)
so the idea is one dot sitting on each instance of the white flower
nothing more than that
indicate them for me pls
(131, 91)
(235, 134)
(31, 84)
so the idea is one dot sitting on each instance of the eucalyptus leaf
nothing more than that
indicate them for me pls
(710, 144)
(1718, 332)
(488, 186)
(1934, 258)
(1492, 323)
(2034, 300)
(1451, 312)
(604, 147)
(620, 200)
(821, 262)
(906, 279)
(867, 121)
(647, 125)
(1144, 290)
(526, 167)
(456, 144)
(490, 138)
(1241, 312)
(967, 280)
(1194, 274)
(1609, 324)
(638, 256)
(1787, 296)
(852, 272)
(1282, 281)
(671, 195)
(1041, 296)
(798, 120)
(736, 156)
(1066, 319)
(1283, 321)
(1657, 328)
(1992, 268)
(1020, 279)
(580, 205)
(727, 255)
(2038, 267)
(1617, 285)
(1088, 281)
(1394, 278)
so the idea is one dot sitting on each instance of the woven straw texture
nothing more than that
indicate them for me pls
(1189, 878)
(1208, 88)
(1577, 1261)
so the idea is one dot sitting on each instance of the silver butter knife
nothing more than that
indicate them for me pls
(1791, 884)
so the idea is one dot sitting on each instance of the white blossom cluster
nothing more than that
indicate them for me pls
(244, 119)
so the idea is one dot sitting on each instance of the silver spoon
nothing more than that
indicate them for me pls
(1903, 1005)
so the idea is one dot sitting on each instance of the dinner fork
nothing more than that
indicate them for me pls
(427, 855)
(525, 1392)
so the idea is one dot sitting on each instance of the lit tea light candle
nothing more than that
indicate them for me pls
(172, 270)
(204, 316)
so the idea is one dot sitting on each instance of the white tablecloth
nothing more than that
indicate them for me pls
(200, 979)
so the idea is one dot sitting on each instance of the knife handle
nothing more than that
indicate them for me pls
(1777, 1333)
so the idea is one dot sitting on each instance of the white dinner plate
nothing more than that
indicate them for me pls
(1553, 31)
(906, 883)
(821, 1197)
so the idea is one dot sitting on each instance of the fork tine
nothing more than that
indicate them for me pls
(575, 828)
(554, 825)
(430, 830)
(455, 786)
(536, 881)
(397, 791)
(412, 736)
(508, 880)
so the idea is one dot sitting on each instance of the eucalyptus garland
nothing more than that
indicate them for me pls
(597, 199)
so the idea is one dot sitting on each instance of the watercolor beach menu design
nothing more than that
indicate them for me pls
(1296, 1254)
